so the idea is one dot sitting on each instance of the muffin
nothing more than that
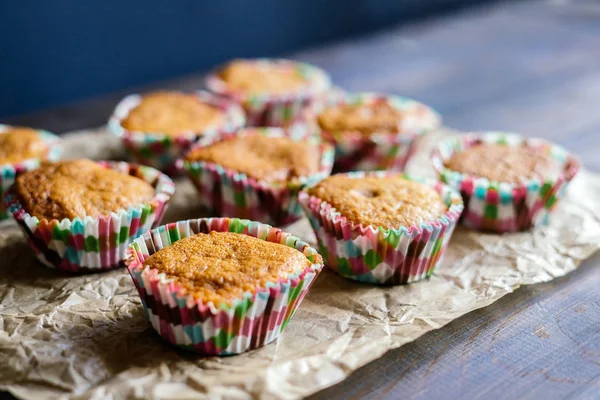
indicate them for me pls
(158, 128)
(21, 150)
(173, 114)
(256, 173)
(381, 227)
(508, 183)
(82, 215)
(221, 286)
(273, 92)
(372, 131)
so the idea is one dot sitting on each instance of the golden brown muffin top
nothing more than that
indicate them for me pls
(390, 202)
(363, 118)
(19, 144)
(504, 163)
(250, 77)
(269, 159)
(79, 188)
(221, 266)
(172, 113)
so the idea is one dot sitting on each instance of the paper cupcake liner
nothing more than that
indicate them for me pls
(9, 172)
(253, 320)
(377, 255)
(276, 110)
(93, 244)
(161, 151)
(233, 194)
(355, 151)
(501, 206)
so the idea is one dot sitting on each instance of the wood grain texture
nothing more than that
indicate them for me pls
(530, 67)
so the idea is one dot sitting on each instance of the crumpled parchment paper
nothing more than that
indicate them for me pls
(86, 336)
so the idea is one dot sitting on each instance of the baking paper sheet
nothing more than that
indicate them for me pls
(86, 336)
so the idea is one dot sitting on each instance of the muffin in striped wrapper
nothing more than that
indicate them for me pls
(381, 227)
(21, 150)
(509, 183)
(371, 131)
(78, 218)
(273, 92)
(256, 173)
(158, 128)
(199, 302)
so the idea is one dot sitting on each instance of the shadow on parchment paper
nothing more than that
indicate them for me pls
(99, 315)
(18, 263)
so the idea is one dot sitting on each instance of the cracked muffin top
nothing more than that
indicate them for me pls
(504, 163)
(379, 117)
(79, 188)
(221, 266)
(251, 77)
(173, 114)
(269, 159)
(19, 144)
(389, 201)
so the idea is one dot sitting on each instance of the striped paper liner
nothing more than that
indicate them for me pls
(355, 151)
(251, 321)
(232, 194)
(378, 255)
(9, 172)
(94, 244)
(276, 110)
(161, 151)
(501, 206)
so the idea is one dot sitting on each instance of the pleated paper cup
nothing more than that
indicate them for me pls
(9, 172)
(280, 110)
(160, 150)
(93, 244)
(355, 151)
(251, 321)
(502, 206)
(378, 255)
(233, 194)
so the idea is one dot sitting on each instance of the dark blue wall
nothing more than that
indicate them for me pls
(56, 51)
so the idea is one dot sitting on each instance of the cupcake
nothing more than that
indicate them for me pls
(381, 227)
(273, 92)
(158, 128)
(221, 286)
(21, 150)
(508, 183)
(82, 215)
(373, 131)
(256, 173)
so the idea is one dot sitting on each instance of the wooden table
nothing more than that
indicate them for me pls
(529, 67)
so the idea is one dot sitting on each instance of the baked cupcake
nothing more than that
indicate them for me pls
(508, 183)
(273, 92)
(21, 150)
(158, 128)
(373, 131)
(381, 227)
(221, 286)
(82, 215)
(256, 173)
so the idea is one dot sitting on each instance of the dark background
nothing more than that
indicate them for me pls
(56, 52)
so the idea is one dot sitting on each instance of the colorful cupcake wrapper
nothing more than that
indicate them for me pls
(161, 151)
(355, 151)
(501, 206)
(93, 244)
(9, 172)
(377, 255)
(253, 320)
(277, 110)
(233, 194)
